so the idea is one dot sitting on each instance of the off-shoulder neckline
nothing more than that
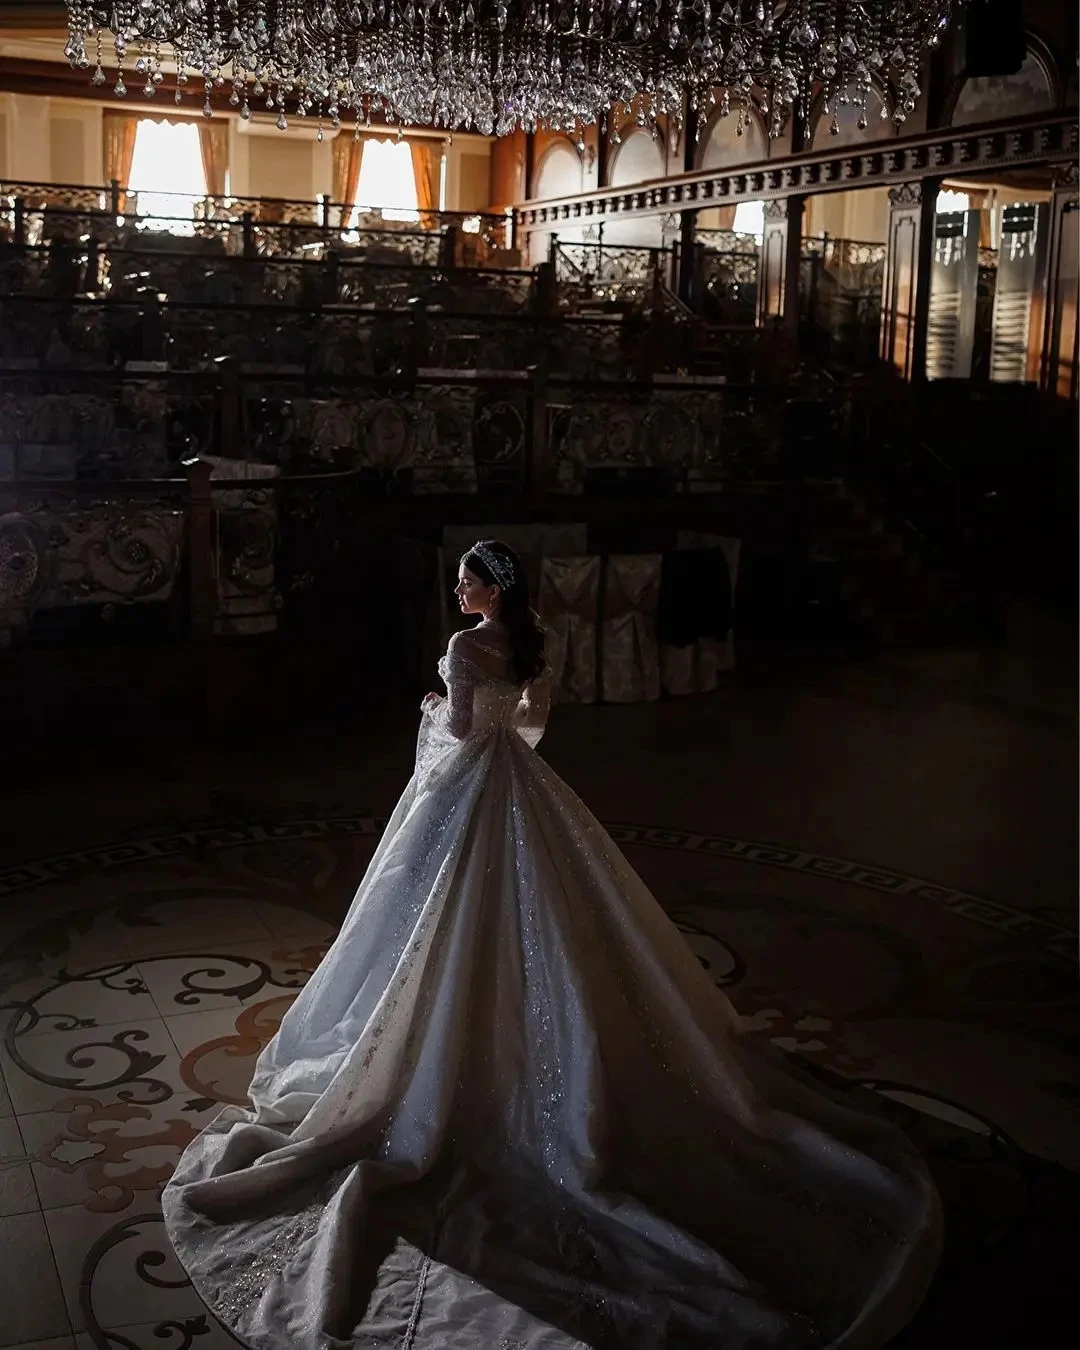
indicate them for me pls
(466, 659)
(546, 673)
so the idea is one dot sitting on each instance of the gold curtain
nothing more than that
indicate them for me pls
(348, 154)
(118, 143)
(427, 168)
(977, 199)
(214, 144)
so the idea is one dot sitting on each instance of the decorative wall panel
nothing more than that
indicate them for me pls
(954, 279)
(1016, 330)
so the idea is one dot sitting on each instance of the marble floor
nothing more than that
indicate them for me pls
(876, 860)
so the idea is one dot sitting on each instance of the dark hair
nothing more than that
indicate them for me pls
(515, 612)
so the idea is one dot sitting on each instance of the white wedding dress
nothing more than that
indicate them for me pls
(511, 1111)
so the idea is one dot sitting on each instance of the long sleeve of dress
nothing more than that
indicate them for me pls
(531, 715)
(455, 712)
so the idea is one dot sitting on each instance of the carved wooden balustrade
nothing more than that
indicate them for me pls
(1043, 138)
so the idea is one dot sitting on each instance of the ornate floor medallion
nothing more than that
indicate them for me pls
(139, 983)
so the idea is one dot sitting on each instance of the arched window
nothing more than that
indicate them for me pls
(559, 175)
(387, 181)
(988, 98)
(638, 158)
(167, 173)
(560, 172)
(726, 146)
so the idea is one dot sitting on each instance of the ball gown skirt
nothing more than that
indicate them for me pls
(511, 1111)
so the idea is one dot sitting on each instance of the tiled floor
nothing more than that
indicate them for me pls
(109, 1068)
(878, 866)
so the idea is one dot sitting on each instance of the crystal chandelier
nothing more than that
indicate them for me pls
(495, 65)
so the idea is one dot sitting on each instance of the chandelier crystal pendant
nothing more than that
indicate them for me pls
(493, 66)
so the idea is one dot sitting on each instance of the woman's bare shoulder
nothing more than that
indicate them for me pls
(486, 650)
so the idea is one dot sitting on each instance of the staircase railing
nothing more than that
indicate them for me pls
(567, 268)
(619, 272)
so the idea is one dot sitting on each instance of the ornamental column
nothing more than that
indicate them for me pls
(688, 219)
(1060, 334)
(778, 268)
(905, 298)
(530, 164)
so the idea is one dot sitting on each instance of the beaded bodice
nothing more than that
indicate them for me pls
(482, 691)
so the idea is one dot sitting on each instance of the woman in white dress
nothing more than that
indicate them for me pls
(511, 1111)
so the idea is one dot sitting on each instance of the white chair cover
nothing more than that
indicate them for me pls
(568, 602)
(629, 649)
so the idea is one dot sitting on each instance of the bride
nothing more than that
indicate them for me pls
(511, 1111)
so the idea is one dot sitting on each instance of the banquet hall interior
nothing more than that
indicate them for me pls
(778, 405)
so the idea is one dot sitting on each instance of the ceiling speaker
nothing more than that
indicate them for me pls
(996, 41)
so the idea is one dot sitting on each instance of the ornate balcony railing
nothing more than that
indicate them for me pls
(611, 263)
(849, 264)
(728, 241)
(36, 212)
(219, 502)
(134, 266)
(42, 336)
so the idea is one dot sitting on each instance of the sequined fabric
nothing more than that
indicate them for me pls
(510, 1109)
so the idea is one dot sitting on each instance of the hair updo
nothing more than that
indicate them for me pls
(514, 613)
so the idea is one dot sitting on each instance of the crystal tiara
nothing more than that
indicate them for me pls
(500, 567)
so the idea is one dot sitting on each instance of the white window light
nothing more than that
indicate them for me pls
(750, 219)
(167, 173)
(948, 200)
(386, 181)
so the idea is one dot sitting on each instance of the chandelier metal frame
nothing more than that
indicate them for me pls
(494, 66)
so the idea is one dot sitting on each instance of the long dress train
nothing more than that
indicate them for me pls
(511, 1111)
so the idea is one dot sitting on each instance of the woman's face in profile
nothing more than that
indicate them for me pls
(473, 595)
